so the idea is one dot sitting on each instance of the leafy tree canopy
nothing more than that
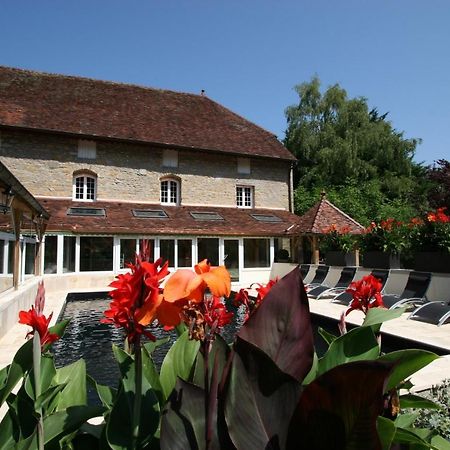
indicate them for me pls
(439, 194)
(353, 153)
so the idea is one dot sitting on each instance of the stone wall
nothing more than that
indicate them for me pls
(44, 163)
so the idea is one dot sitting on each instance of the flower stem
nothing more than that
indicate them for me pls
(138, 390)
(206, 350)
(37, 387)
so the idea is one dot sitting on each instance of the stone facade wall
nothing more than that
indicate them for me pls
(44, 163)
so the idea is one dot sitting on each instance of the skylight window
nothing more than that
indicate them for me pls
(266, 218)
(206, 216)
(149, 213)
(74, 211)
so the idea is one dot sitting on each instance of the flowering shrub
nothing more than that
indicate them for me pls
(267, 391)
(338, 239)
(386, 236)
(431, 232)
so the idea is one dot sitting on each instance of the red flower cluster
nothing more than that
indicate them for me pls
(136, 299)
(252, 303)
(36, 319)
(366, 294)
(439, 216)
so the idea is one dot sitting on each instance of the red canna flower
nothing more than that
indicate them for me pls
(137, 300)
(366, 294)
(35, 318)
(251, 304)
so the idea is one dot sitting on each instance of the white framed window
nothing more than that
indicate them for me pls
(87, 149)
(170, 158)
(170, 192)
(243, 166)
(244, 196)
(84, 187)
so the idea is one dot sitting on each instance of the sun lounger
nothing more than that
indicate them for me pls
(319, 275)
(345, 279)
(413, 294)
(345, 298)
(436, 313)
(304, 269)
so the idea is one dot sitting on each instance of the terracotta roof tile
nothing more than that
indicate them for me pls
(324, 214)
(119, 220)
(94, 108)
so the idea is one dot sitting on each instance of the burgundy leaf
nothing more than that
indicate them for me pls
(281, 326)
(339, 409)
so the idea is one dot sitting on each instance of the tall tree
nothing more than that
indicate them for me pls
(341, 142)
(439, 175)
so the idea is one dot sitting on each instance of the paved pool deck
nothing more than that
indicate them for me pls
(419, 332)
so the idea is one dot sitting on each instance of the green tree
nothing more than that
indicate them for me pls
(353, 153)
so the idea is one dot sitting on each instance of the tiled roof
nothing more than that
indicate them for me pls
(324, 214)
(120, 220)
(94, 108)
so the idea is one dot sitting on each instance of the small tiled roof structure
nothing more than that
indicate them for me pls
(118, 219)
(92, 108)
(323, 215)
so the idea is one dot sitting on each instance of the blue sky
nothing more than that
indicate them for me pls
(249, 54)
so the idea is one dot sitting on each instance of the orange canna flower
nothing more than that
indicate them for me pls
(185, 284)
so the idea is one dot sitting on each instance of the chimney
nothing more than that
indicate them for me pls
(202, 93)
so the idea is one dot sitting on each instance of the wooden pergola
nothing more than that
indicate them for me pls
(19, 207)
(320, 217)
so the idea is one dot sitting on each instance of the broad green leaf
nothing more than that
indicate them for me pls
(120, 425)
(21, 364)
(312, 374)
(73, 377)
(340, 409)
(326, 335)
(413, 436)
(281, 327)
(415, 401)
(376, 316)
(46, 397)
(440, 443)
(151, 346)
(406, 420)
(259, 399)
(407, 362)
(106, 394)
(151, 374)
(183, 420)
(62, 423)
(386, 432)
(179, 362)
(358, 344)
(48, 371)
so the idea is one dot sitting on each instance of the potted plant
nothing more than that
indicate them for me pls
(339, 246)
(430, 241)
(382, 243)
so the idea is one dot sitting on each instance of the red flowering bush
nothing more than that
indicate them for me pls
(338, 239)
(431, 232)
(388, 235)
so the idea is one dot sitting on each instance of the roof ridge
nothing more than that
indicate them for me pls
(98, 80)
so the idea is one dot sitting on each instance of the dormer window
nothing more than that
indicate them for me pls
(84, 186)
(170, 191)
(244, 196)
(170, 158)
(87, 149)
(243, 166)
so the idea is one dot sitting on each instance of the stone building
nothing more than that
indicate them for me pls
(114, 163)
